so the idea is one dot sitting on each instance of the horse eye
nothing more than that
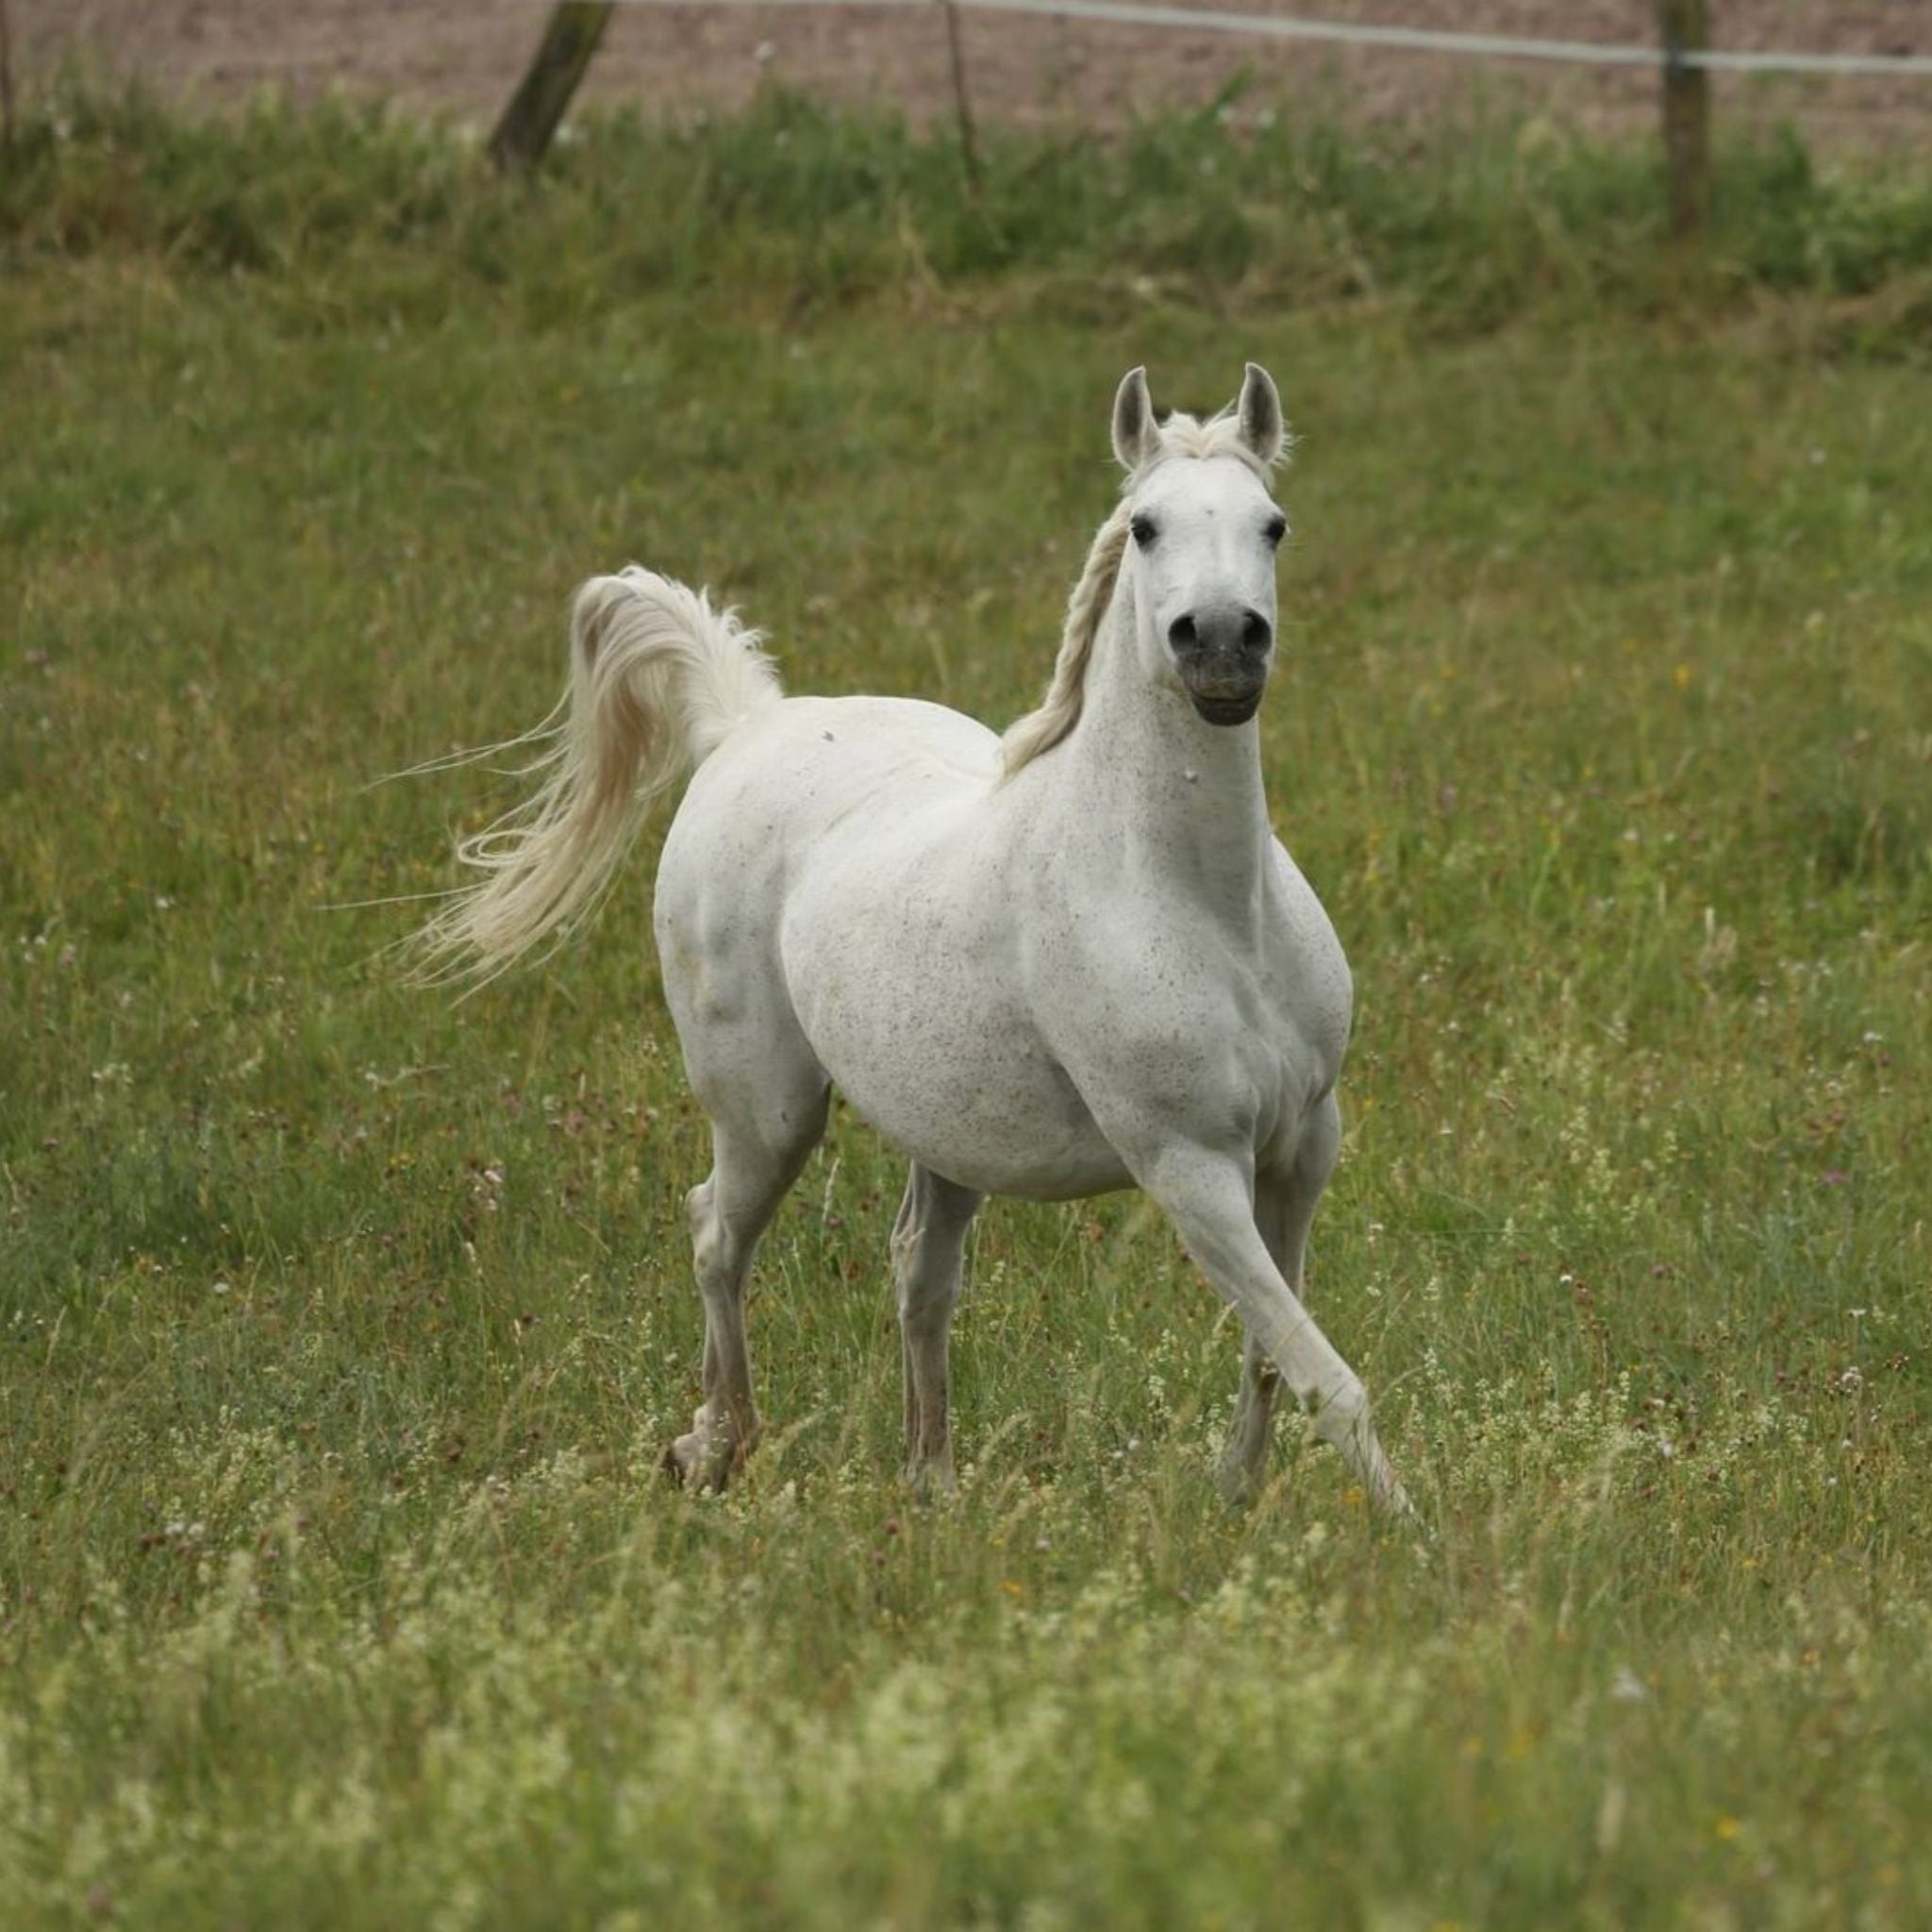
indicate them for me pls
(1275, 529)
(1143, 528)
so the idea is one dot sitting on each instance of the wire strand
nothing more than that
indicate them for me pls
(1404, 39)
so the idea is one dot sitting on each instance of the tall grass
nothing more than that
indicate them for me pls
(1463, 223)
(341, 1327)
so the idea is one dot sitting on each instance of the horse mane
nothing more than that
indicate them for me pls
(1039, 730)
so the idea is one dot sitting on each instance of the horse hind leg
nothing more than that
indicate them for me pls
(928, 1256)
(1245, 1461)
(1283, 1210)
(759, 1143)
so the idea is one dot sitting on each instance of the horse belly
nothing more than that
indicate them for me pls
(842, 846)
(922, 1028)
(987, 1108)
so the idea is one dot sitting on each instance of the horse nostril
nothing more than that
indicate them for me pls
(1256, 633)
(1182, 635)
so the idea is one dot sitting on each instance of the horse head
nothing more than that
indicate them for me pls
(1203, 530)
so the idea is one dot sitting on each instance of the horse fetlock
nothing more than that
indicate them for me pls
(1340, 1416)
(931, 1477)
(714, 1451)
(1241, 1474)
(1243, 1464)
(1347, 1428)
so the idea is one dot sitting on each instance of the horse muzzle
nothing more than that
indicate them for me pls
(1226, 710)
(1223, 659)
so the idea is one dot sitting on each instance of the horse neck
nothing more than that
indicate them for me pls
(1182, 798)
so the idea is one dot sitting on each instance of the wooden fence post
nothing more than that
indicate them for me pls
(540, 100)
(1686, 28)
(962, 104)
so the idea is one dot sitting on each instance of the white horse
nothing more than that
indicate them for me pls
(1055, 965)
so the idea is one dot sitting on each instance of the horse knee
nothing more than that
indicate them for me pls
(705, 1232)
(697, 1208)
(718, 1252)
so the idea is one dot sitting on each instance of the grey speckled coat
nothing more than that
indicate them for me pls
(1085, 966)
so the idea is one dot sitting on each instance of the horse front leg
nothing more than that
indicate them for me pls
(1206, 1196)
(928, 1256)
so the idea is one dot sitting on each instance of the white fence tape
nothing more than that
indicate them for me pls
(1277, 26)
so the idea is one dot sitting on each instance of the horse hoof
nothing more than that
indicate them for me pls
(692, 1464)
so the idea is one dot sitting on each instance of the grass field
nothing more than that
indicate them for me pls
(342, 1325)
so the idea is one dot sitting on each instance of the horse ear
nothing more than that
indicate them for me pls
(1259, 413)
(1136, 435)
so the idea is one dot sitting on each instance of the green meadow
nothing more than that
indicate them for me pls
(342, 1324)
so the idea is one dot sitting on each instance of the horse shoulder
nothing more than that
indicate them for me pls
(1305, 960)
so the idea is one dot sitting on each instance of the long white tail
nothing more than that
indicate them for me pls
(658, 681)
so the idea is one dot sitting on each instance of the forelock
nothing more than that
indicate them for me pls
(1182, 435)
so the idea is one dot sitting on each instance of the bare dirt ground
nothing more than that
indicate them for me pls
(463, 56)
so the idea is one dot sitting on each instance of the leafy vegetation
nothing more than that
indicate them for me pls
(342, 1327)
(1231, 208)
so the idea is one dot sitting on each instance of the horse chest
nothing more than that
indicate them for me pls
(1174, 1025)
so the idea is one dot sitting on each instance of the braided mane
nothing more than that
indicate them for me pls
(1039, 730)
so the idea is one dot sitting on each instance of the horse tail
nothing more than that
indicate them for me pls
(658, 680)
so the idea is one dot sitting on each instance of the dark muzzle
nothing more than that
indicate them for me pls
(1223, 657)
